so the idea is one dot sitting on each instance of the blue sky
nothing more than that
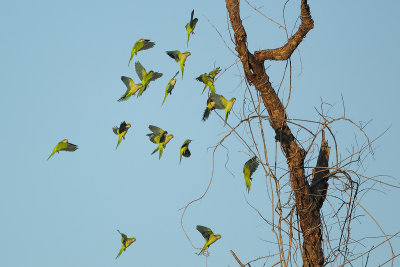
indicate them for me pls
(60, 71)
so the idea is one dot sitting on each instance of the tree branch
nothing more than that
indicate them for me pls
(284, 52)
(306, 207)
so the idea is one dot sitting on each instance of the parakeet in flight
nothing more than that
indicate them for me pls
(216, 101)
(159, 137)
(208, 79)
(145, 77)
(208, 236)
(141, 44)
(126, 242)
(63, 146)
(170, 87)
(179, 57)
(121, 131)
(190, 26)
(132, 88)
(185, 150)
(248, 169)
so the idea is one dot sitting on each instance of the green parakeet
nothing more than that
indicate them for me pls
(170, 87)
(121, 131)
(208, 79)
(248, 169)
(179, 57)
(132, 88)
(140, 45)
(159, 137)
(208, 236)
(145, 77)
(126, 242)
(216, 101)
(190, 26)
(63, 146)
(185, 150)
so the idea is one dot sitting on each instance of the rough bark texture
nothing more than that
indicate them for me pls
(307, 203)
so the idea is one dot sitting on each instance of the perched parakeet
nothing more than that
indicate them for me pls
(121, 131)
(63, 146)
(140, 45)
(208, 236)
(248, 169)
(190, 26)
(216, 101)
(208, 79)
(159, 137)
(132, 88)
(126, 242)
(185, 150)
(145, 76)
(179, 57)
(170, 87)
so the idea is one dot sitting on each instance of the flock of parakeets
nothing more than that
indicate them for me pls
(161, 137)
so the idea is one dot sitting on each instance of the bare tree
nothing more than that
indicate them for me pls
(299, 223)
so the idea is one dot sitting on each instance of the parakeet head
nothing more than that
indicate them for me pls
(233, 100)
(65, 141)
(218, 236)
(128, 125)
(187, 53)
(141, 40)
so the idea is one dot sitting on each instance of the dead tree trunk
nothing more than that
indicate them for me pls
(308, 199)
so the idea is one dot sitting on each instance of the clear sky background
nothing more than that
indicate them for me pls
(60, 69)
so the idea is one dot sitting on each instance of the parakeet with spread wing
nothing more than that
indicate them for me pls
(63, 146)
(208, 236)
(179, 57)
(126, 242)
(141, 44)
(190, 26)
(145, 77)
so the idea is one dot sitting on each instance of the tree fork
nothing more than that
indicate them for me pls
(307, 207)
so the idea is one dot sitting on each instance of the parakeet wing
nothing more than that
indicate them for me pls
(70, 147)
(140, 70)
(115, 130)
(174, 54)
(122, 127)
(155, 76)
(252, 165)
(127, 81)
(147, 44)
(220, 101)
(193, 23)
(204, 231)
(156, 130)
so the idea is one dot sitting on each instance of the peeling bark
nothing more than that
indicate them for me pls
(307, 207)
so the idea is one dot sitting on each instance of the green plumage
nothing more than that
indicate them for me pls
(170, 87)
(184, 151)
(190, 26)
(145, 77)
(132, 88)
(248, 169)
(141, 44)
(121, 131)
(216, 101)
(179, 57)
(208, 235)
(63, 146)
(159, 136)
(126, 242)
